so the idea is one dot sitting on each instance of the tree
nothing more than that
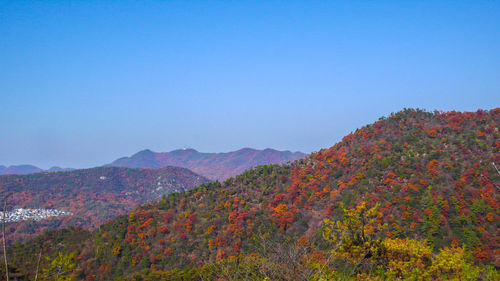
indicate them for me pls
(356, 238)
(60, 267)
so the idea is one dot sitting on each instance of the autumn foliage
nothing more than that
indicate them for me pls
(418, 188)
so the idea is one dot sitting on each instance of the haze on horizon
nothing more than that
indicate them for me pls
(82, 84)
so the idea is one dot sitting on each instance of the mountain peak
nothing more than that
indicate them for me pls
(145, 152)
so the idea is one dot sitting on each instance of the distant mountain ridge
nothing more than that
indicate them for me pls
(215, 166)
(28, 169)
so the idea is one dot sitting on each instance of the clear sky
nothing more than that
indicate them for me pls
(85, 82)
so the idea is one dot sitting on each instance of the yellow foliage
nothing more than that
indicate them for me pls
(116, 249)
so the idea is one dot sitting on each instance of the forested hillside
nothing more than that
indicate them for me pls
(92, 195)
(413, 195)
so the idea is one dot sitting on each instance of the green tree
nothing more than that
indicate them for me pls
(60, 267)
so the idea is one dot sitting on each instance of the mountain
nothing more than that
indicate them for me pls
(28, 169)
(215, 166)
(58, 169)
(92, 195)
(413, 196)
(19, 169)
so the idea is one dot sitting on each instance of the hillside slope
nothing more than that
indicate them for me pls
(431, 176)
(215, 166)
(91, 195)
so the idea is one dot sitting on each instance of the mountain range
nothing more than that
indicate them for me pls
(214, 166)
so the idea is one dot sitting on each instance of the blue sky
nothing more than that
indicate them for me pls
(85, 82)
